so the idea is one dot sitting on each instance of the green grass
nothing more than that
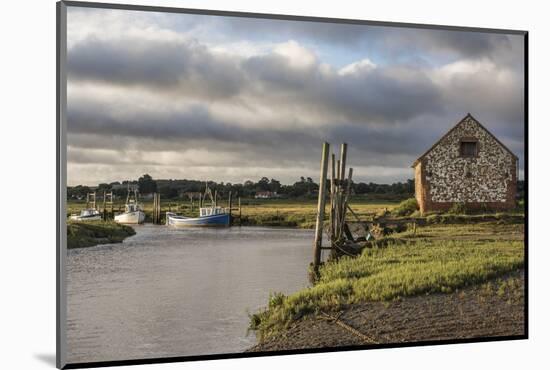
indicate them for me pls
(255, 212)
(90, 233)
(301, 213)
(398, 270)
(406, 207)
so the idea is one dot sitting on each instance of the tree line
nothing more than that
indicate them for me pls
(169, 189)
(304, 187)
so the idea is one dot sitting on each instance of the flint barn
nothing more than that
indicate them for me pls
(469, 166)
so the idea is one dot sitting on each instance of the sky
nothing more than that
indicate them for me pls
(231, 99)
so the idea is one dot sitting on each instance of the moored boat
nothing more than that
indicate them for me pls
(209, 216)
(88, 214)
(133, 214)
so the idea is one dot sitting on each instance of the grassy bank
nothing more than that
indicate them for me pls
(492, 309)
(255, 212)
(299, 213)
(88, 234)
(430, 262)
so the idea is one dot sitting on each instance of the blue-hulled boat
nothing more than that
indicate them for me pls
(209, 216)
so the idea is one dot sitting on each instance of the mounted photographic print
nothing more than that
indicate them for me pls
(235, 184)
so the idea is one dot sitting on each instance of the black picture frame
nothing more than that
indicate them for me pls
(61, 153)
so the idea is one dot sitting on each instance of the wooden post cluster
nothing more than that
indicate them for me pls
(90, 200)
(339, 194)
(108, 203)
(156, 208)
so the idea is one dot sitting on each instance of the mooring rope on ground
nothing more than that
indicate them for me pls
(349, 328)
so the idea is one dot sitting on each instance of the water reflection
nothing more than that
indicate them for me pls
(170, 292)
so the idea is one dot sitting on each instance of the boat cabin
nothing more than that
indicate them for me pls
(89, 212)
(211, 211)
(131, 207)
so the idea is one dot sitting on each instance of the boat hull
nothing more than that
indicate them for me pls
(221, 220)
(85, 218)
(92, 217)
(137, 217)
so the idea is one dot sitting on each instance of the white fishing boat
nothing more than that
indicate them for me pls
(133, 214)
(88, 214)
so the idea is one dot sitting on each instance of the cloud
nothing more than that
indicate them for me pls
(234, 97)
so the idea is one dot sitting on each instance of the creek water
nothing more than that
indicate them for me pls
(178, 292)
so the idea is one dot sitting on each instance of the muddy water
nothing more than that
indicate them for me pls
(172, 292)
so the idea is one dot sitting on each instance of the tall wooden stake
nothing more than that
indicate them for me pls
(158, 205)
(320, 208)
(332, 192)
(341, 190)
(343, 156)
(230, 209)
(104, 205)
(154, 208)
(240, 213)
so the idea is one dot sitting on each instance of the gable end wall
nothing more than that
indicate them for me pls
(487, 180)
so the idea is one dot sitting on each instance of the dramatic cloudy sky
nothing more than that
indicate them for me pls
(230, 99)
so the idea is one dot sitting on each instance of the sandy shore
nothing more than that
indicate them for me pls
(487, 310)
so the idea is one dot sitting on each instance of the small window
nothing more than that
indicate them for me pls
(468, 148)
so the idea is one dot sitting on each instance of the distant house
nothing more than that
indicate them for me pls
(265, 194)
(468, 165)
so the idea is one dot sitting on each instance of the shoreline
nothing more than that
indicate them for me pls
(491, 309)
(92, 233)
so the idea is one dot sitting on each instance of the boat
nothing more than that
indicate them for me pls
(88, 214)
(209, 216)
(133, 214)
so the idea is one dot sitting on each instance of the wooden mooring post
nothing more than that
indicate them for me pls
(320, 209)
(104, 205)
(108, 203)
(156, 208)
(240, 213)
(230, 209)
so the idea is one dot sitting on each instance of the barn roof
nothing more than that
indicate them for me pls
(453, 128)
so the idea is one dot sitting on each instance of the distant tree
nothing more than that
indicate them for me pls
(361, 188)
(146, 184)
(263, 184)
(78, 191)
(274, 185)
(103, 187)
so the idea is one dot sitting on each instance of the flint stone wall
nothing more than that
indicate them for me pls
(485, 180)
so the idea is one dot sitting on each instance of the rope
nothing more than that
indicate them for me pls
(349, 328)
